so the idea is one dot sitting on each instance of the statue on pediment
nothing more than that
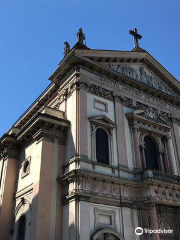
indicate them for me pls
(80, 36)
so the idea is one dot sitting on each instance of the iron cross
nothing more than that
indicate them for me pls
(136, 36)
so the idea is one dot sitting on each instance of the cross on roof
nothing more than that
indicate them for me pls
(136, 36)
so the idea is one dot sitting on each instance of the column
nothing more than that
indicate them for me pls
(154, 223)
(82, 123)
(178, 221)
(176, 130)
(161, 161)
(93, 143)
(111, 146)
(143, 156)
(8, 186)
(136, 147)
(145, 222)
(170, 159)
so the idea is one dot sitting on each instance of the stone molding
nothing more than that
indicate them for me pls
(151, 121)
(118, 191)
(129, 97)
(44, 126)
(26, 167)
(110, 213)
(9, 146)
(162, 176)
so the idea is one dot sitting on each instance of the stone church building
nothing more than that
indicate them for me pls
(97, 154)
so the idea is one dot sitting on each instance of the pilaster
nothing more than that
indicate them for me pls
(8, 186)
(154, 223)
(120, 131)
(170, 159)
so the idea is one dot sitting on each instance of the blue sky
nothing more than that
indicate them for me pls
(33, 33)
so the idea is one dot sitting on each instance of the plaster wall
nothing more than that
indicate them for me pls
(6, 208)
(32, 151)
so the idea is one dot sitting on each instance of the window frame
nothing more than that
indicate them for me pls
(102, 121)
(109, 149)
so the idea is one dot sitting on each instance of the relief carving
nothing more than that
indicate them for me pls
(135, 94)
(141, 75)
(154, 115)
(99, 91)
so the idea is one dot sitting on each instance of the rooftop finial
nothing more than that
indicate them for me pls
(80, 36)
(66, 48)
(136, 36)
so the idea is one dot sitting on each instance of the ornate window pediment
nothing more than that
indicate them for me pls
(150, 119)
(102, 120)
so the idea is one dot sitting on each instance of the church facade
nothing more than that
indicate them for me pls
(97, 155)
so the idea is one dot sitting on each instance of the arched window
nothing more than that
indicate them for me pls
(21, 228)
(102, 146)
(151, 154)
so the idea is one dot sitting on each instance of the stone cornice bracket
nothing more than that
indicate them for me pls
(9, 146)
(76, 85)
(77, 71)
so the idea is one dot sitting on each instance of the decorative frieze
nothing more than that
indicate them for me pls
(154, 115)
(99, 91)
(173, 179)
(128, 192)
(127, 91)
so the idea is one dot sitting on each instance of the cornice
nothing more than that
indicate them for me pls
(118, 77)
(131, 57)
(9, 146)
(47, 125)
(44, 125)
(36, 105)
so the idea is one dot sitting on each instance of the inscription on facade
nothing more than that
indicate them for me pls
(139, 95)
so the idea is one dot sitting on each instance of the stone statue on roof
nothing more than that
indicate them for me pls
(80, 36)
(66, 49)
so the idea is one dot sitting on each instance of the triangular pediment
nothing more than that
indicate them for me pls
(137, 65)
(140, 73)
(102, 120)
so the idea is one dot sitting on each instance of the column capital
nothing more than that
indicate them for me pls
(134, 127)
(142, 144)
(152, 205)
(168, 137)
